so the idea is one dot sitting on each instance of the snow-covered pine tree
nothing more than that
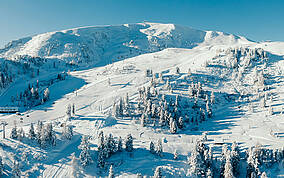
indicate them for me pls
(32, 134)
(20, 134)
(228, 169)
(101, 142)
(14, 134)
(68, 112)
(235, 158)
(101, 158)
(158, 172)
(129, 143)
(74, 166)
(250, 163)
(162, 117)
(73, 109)
(212, 98)
(110, 144)
(119, 144)
(46, 94)
(197, 166)
(42, 140)
(85, 157)
(173, 126)
(208, 158)
(39, 131)
(152, 147)
(110, 173)
(223, 159)
(159, 149)
(50, 134)
(67, 132)
(180, 123)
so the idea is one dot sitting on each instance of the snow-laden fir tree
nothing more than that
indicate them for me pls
(152, 147)
(120, 107)
(223, 158)
(101, 142)
(159, 149)
(119, 145)
(50, 134)
(158, 172)
(85, 157)
(67, 132)
(20, 134)
(197, 166)
(101, 158)
(251, 167)
(228, 168)
(74, 166)
(212, 98)
(68, 112)
(39, 131)
(180, 123)
(111, 145)
(162, 117)
(235, 158)
(129, 143)
(46, 94)
(73, 109)
(173, 126)
(110, 173)
(14, 134)
(16, 172)
(32, 134)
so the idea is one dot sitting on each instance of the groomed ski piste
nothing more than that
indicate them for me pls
(169, 59)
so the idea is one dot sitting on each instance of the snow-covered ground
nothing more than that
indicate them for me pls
(94, 90)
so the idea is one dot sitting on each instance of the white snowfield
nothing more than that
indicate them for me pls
(122, 54)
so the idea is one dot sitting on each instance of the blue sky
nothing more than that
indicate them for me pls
(255, 19)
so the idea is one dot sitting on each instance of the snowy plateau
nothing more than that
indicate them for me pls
(141, 100)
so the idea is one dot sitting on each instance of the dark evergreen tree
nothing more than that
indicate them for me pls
(129, 143)
(152, 147)
(119, 144)
(32, 134)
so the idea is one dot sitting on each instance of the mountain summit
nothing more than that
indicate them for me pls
(114, 42)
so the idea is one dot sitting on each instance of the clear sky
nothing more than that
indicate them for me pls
(255, 19)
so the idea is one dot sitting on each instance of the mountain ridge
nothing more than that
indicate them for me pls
(114, 42)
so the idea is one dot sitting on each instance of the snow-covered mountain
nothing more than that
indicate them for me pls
(112, 43)
(180, 89)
